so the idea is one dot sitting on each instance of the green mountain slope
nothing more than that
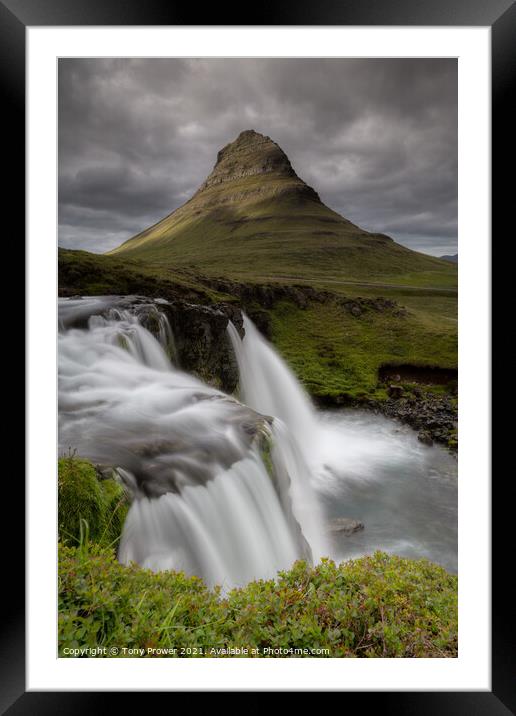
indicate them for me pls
(254, 218)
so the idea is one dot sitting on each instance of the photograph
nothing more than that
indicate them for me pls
(257, 357)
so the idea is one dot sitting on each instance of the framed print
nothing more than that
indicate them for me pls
(258, 291)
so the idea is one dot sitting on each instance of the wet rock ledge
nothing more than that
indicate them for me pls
(202, 343)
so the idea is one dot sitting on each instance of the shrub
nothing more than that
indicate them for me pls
(377, 606)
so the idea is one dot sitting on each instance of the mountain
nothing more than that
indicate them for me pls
(453, 258)
(254, 217)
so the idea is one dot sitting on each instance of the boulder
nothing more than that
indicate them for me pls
(345, 525)
(424, 437)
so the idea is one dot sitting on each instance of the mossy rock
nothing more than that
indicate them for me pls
(101, 504)
(265, 445)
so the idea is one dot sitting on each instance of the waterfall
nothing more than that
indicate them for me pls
(268, 386)
(229, 531)
(220, 489)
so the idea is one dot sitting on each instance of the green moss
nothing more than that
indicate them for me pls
(82, 497)
(377, 606)
(265, 447)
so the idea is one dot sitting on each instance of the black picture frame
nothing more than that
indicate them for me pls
(15, 17)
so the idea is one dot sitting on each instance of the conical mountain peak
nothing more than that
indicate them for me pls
(250, 142)
(253, 204)
(250, 154)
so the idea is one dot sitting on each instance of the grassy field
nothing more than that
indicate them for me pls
(337, 354)
(333, 352)
(80, 272)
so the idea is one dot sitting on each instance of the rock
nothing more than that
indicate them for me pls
(299, 297)
(424, 437)
(433, 416)
(234, 314)
(345, 525)
(355, 311)
(261, 320)
(202, 344)
(395, 391)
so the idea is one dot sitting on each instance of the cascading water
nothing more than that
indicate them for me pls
(210, 495)
(233, 491)
(360, 466)
(268, 386)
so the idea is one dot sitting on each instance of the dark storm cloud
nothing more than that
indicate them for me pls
(376, 138)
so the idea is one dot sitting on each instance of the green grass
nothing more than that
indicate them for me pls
(83, 273)
(337, 354)
(332, 352)
(377, 606)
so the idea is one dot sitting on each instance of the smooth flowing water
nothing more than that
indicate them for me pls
(404, 493)
(198, 462)
(363, 466)
(219, 490)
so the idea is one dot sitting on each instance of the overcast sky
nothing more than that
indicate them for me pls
(377, 139)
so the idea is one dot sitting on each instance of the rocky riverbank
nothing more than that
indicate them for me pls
(433, 416)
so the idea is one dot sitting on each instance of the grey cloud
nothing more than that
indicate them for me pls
(376, 138)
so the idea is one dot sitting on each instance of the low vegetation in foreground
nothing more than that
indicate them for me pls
(376, 606)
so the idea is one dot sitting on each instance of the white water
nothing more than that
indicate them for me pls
(404, 492)
(268, 386)
(360, 466)
(204, 501)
